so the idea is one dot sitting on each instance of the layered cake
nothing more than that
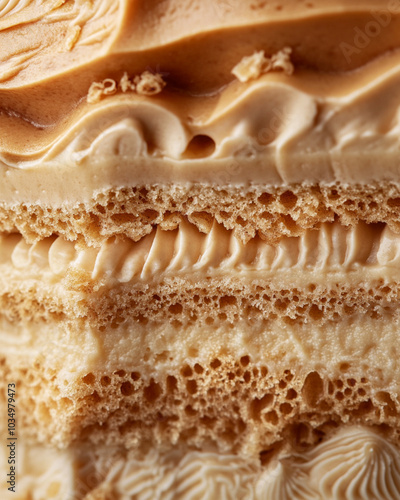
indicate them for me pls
(199, 249)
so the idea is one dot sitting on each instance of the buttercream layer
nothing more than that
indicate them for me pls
(356, 463)
(306, 129)
(186, 275)
(333, 251)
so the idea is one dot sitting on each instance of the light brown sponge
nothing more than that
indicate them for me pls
(234, 405)
(271, 212)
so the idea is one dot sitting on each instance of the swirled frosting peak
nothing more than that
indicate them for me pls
(191, 476)
(355, 464)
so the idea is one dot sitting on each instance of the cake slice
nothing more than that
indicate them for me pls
(199, 248)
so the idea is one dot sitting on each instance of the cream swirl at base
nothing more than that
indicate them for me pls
(284, 482)
(197, 475)
(357, 463)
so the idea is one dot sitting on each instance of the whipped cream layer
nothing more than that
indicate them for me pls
(333, 120)
(334, 252)
(356, 463)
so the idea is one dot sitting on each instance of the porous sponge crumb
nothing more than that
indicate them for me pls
(232, 403)
(271, 212)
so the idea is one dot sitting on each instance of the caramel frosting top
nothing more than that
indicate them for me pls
(44, 39)
(290, 91)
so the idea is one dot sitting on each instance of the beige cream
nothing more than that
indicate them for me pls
(333, 252)
(356, 463)
(307, 134)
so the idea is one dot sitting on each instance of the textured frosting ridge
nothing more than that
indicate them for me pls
(79, 23)
(357, 463)
(186, 250)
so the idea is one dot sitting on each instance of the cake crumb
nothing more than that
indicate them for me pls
(252, 67)
(147, 83)
(98, 89)
(126, 84)
(281, 60)
(73, 36)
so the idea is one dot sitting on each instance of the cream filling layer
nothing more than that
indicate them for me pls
(356, 347)
(335, 253)
(356, 463)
